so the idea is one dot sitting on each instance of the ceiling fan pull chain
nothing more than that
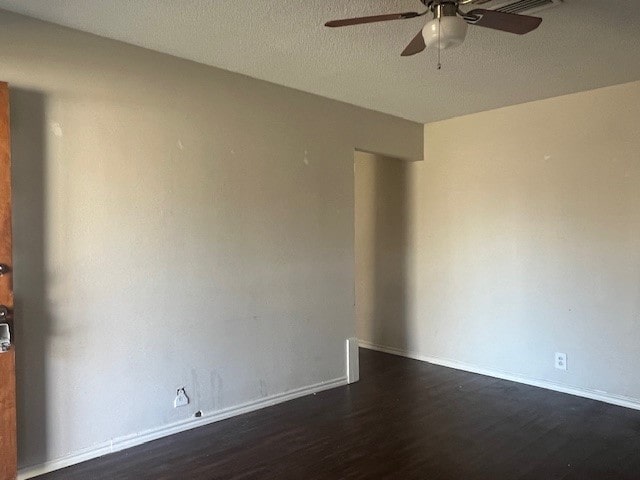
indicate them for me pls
(439, 50)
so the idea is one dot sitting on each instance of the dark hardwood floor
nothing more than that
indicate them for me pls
(404, 420)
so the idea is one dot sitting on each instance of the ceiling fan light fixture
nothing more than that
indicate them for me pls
(453, 32)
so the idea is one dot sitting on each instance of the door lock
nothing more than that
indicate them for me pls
(4, 269)
(5, 335)
(5, 338)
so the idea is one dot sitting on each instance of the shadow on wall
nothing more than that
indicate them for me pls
(32, 319)
(381, 243)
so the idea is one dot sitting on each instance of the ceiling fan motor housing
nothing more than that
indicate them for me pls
(442, 7)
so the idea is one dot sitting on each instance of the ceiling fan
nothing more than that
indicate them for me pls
(448, 27)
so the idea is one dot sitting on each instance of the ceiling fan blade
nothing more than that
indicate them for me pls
(375, 18)
(415, 46)
(506, 22)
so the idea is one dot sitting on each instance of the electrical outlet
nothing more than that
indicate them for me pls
(561, 361)
(181, 399)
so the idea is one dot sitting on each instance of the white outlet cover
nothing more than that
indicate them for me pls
(181, 399)
(561, 361)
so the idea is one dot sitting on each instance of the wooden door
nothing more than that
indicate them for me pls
(8, 443)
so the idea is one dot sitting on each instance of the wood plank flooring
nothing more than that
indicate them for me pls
(404, 420)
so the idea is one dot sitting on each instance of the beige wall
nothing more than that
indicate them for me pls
(526, 240)
(175, 225)
(381, 214)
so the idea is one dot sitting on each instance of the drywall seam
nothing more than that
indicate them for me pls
(619, 400)
(130, 441)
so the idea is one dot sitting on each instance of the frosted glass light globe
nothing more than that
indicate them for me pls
(454, 31)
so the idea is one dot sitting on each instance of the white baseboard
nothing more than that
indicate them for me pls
(601, 396)
(129, 441)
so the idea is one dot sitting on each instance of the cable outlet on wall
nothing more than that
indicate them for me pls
(181, 399)
(561, 361)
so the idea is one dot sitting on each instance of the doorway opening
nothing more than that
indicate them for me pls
(381, 246)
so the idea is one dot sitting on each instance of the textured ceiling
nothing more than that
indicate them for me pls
(582, 44)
